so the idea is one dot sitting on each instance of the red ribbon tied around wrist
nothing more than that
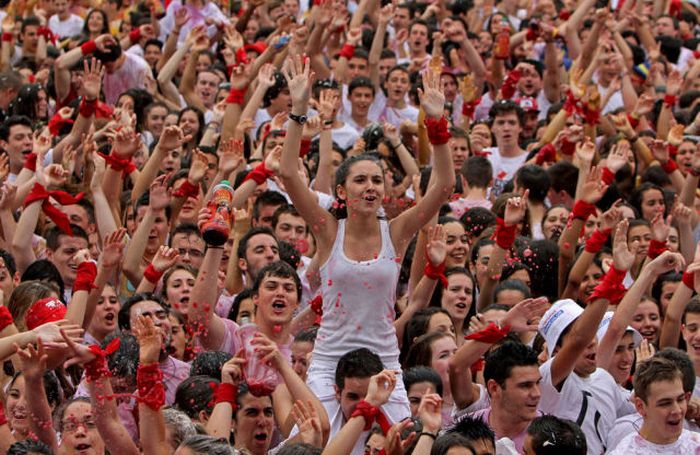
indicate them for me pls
(504, 235)
(438, 131)
(610, 287)
(97, 368)
(491, 334)
(149, 381)
(370, 414)
(40, 193)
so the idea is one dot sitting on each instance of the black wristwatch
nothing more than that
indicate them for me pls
(300, 119)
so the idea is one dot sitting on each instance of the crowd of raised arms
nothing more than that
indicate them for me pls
(346, 227)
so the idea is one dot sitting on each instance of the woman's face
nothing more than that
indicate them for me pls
(440, 322)
(178, 339)
(155, 120)
(95, 22)
(363, 190)
(171, 162)
(591, 224)
(80, 435)
(623, 359)
(246, 312)
(641, 235)
(652, 203)
(647, 320)
(178, 288)
(42, 105)
(667, 290)
(482, 261)
(589, 282)
(104, 321)
(189, 122)
(126, 103)
(442, 350)
(684, 157)
(673, 242)
(16, 407)
(554, 223)
(457, 244)
(457, 296)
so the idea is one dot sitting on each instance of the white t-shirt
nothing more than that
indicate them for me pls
(633, 444)
(345, 136)
(198, 16)
(631, 423)
(66, 29)
(132, 74)
(504, 168)
(594, 403)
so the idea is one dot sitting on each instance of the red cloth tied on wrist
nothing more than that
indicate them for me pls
(610, 287)
(3, 418)
(47, 34)
(508, 87)
(135, 35)
(656, 248)
(7, 37)
(582, 210)
(572, 104)
(304, 147)
(87, 107)
(348, 51)
(608, 176)
(438, 131)
(89, 47)
(689, 280)
(259, 175)
(468, 109)
(634, 122)
(48, 309)
(591, 116)
(670, 100)
(531, 34)
(151, 274)
(504, 235)
(564, 14)
(436, 272)
(149, 380)
(85, 277)
(124, 165)
(669, 166)
(597, 240)
(226, 393)
(370, 414)
(30, 161)
(187, 189)
(674, 8)
(241, 58)
(547, 154)
(477, 366)
(56, 123)
(97, 368)
(39, 193)
(567, 147)
(236, 96)
(5, 318)
(491, 334)
(672, 150)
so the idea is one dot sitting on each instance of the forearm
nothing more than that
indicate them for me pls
(690, 185)
(375, 53)
(345, 439)
(22, 240)
(687, 241)
(219, 423)
(590, 45)
(408, 163)
(106, 224)
(476, 63)
(137, 246)
(254, 103)
(671, 328)
(234, 278)
(244, 19)
(169, 69)
(107, 420)
(232, 115)
(557, 124)
(205, 290)
(168, 50)
(552, 79)
(9, 226)
(147, 174)
(569, 238)
(77, 307)
(152, 423)
(322, 182)
(419, 299)
(40, 411)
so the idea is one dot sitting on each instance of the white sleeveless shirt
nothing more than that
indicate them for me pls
(358, 302)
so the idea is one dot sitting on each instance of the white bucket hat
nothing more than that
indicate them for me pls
(605, 323)
(556, 320)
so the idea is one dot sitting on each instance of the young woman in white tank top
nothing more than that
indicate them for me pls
(359, 257)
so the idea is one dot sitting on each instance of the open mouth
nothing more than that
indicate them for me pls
(185, 300)
(109, 317)
(591, 357)
(461, 306)
(278, 305)
(82, 447)
(370, 198)
(261, 437)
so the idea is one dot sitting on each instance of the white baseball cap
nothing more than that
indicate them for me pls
(556, 320)
(605, 323)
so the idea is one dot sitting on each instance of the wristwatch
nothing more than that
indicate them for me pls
(300, 119)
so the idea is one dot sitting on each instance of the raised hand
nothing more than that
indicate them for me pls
(645, 104)
(386, 14)
(198, 168)
(32, 361)
(7, 196)
(113, 249)
(81, 256)
(525, 315)
(231, 371)
(585, 151)
(172, 138)
(149, 339)
(660, 227)
(272, 162)
(381, 386)
(468, 89)
(675, 134)
(159, 196)
(327, 103)
(515, 209)
(660, 151)
(682, 214)
(103, 41)
(391, 132)
(393, 444)
(432, 98)
(308, 422)
(297, 71)
(674, 82)
(268, 351)
(611, 217)
(53, 176)
(594, 188)
(354, 36)
(618, 156)
(241, 76)
(126, 143)
(165, 258)
(437, 245)
(266, 76)
(666, 262)
(51, 333)
(623, 255)
(181, 17)
(430, 411)
(81, 354)
(230, 156)
(92, 78)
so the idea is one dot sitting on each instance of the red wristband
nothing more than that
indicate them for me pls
(87, 107)
(491, 334)
(304, 147)
(85, 277)
(669, 166)
(469, 108)
(348, 51)
(149, 381)
(236, 96)
(259, 175)
(504, 235)
(597, 240)
(634, 122)
(610, 288)
(370, 414)
(670, 100)
(689, 280)
(436, 272)
(151, 274)
(97, 368)
(7, 37)
(3, 418)
(547, 154)
(135, 35)
(124, 165)
(438, 131)
(89, 47)
(5, 318)
(186, 190)
(608, 176)
(582, 210)
(226, 393)
(567, 147)
(656, 248)
(30, 162)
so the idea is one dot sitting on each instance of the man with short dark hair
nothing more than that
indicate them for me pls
(361, 94)
(17, 141)
(265, 206)
(507, 156)
(477, 176)
(550, 434)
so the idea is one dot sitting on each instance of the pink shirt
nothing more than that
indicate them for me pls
(518, 440)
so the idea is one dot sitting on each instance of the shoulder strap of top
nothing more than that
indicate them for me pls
(387, 243)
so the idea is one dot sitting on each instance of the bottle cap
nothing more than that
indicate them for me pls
(226, 182)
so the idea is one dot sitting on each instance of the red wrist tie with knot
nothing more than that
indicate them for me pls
(348, 51)
(670, 100)
(151, 274)
(149, 380)
(187, 189)
(597, 240)
(491, 334)
(87, 107)
(135, 35)
(39, 193)
(509, 85)
(656, 248)
(438, 131)
(124, 165)
(226, 393)
(236, 96)
(259, 175)
(97, 368)
(436, 272)
(669, 166)
(547, 154)
(689, 280)
(89, 47)
(469, 108)
(85, 277)
(610, 288)
(582, 210)
(5, 318)
(504, 235)
(608, 176)
(370, 414)
(30, 161)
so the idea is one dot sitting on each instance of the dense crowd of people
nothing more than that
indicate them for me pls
(294, 227)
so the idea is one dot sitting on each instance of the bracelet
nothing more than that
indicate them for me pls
(226, 393)
(88, 48)
(87, 107)
(656, 248)
(438, 132)
(669, 166)
(596, 241)
(135, 35)
(85, 277)
(259, 175)
(149, 381)
(582, 210)
(151, 274)
(608, 176)
(436, 272)
(236, 96)
(97, 368)
(348, 51)
(610, 287)
(428, 434)
(670, 100)
(491, 334)
(7, 37)
(370, 414)
(30, 162)
(689, 280)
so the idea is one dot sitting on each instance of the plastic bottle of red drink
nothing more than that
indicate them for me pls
(217, 229)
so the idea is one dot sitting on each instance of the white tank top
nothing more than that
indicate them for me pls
(358, 302)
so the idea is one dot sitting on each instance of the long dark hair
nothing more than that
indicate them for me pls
(105, 22)
(27, 101)
(340, 209)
